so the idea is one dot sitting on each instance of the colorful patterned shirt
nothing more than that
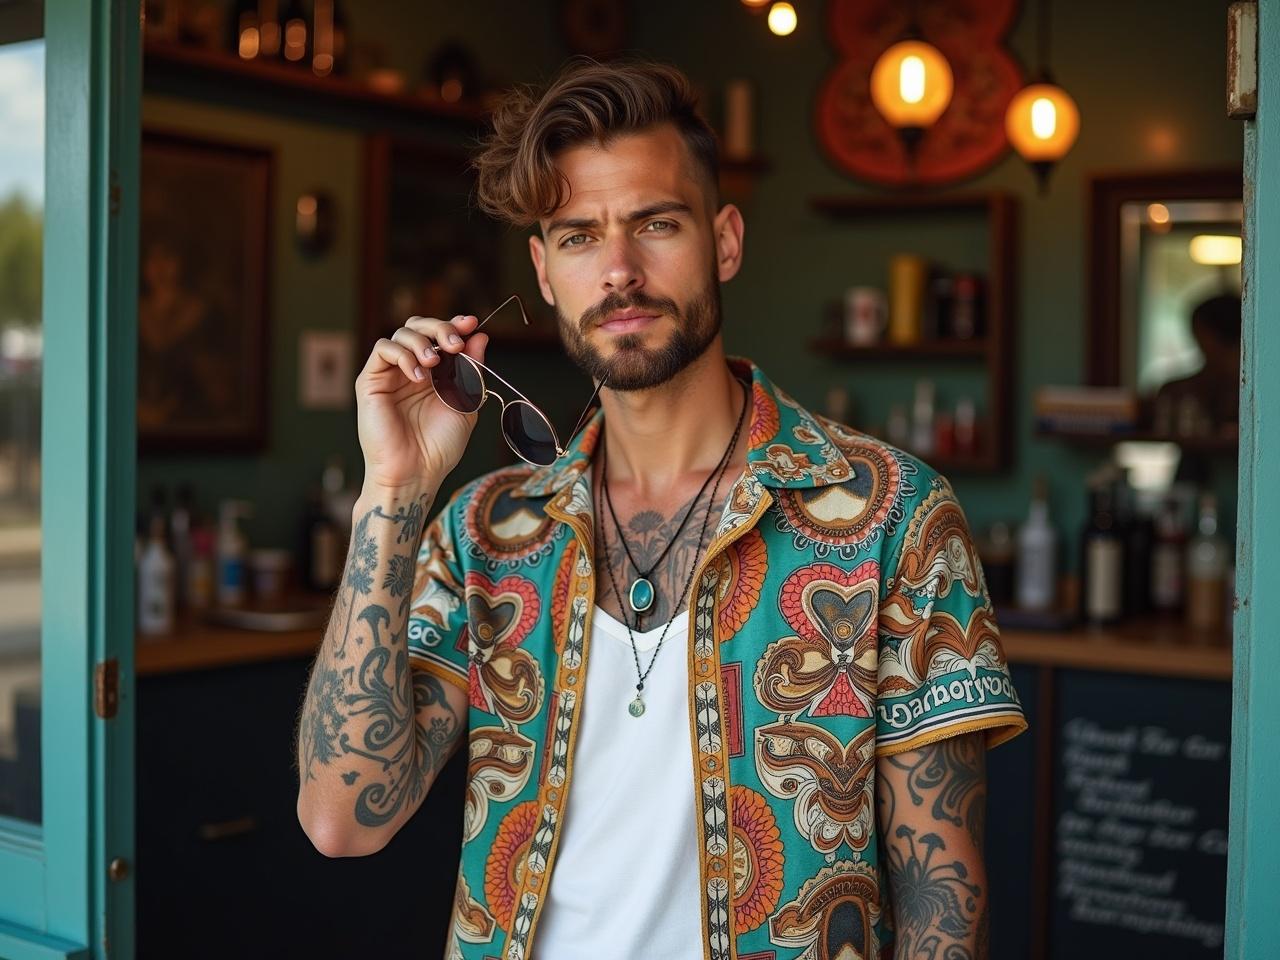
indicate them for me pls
(839, 614)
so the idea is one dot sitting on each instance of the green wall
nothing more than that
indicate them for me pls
(1149, 82)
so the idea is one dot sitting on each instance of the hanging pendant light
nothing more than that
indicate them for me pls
(911, 85)
(1042, 121)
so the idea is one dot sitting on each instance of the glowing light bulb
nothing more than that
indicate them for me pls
(1044, 118)
(782, 19)
(911, 80)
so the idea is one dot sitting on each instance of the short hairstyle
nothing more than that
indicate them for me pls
(588, 102)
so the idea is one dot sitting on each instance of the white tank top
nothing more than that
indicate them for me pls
(625, 880)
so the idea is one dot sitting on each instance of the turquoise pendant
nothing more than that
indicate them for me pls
(637, 706)
(641, 595)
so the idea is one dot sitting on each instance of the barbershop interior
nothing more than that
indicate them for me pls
(1009, 237)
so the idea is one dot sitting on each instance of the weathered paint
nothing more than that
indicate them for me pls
(1253, 860)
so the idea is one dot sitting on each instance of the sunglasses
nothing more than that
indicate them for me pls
(459, 381)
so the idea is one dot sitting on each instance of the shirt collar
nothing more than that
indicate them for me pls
(789, 447)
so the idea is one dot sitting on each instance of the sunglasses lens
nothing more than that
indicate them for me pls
(457, 382)
(529, 433)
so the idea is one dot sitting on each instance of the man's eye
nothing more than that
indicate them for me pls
(568, 241)
(658, 223)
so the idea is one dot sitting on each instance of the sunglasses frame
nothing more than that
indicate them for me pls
(485, 393)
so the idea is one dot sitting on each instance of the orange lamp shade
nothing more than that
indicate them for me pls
(1042, 122)
(911, 84)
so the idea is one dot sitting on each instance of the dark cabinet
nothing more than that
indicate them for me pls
(224, 869)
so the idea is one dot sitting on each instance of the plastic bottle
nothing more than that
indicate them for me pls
(1037, 577)
(232, 548)
(155, 583)
(1207, 561)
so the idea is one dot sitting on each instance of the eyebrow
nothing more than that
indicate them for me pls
(582, 223)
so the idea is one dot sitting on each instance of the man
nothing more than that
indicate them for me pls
(727, 669)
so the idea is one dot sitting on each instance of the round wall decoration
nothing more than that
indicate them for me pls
(969, 136)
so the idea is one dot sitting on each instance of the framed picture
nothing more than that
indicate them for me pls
(430, 252)
(203, 307)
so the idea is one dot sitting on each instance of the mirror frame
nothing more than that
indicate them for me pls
(1107, 194)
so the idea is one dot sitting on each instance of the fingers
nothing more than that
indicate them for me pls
(387, 353)
(431, 333)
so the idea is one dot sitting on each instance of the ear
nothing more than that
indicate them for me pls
(538, 253)
(727, 228)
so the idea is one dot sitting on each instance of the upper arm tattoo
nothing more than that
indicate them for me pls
(932, 816)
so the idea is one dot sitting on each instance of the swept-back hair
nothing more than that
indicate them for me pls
(587, 102)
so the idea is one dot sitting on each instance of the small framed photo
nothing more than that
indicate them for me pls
(325, 376)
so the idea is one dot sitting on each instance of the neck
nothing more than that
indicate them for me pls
(660, 436)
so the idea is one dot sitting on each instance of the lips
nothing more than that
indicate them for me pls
(628, 321)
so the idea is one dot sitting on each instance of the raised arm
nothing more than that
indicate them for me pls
(931, 805)
(373, 733)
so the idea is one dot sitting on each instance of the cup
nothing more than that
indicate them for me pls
(866, 312)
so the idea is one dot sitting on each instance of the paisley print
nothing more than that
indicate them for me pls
(505, 680)
(939, 562)
(832, 783)
(839, 615)
(833, 916)
(829, 668)
(498, 769)
(756, 851)
(742, 573)
(504, 869)
(504, 530)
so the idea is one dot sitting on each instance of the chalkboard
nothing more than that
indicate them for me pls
(1140, 797)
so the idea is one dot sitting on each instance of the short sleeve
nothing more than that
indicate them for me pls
(438, 611)
(941, 668)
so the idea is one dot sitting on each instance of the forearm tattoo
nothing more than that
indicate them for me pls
(363, 702)
(935, 870)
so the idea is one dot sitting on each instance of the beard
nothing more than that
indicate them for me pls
(632, 365)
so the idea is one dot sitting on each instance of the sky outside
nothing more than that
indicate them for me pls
(22, 120)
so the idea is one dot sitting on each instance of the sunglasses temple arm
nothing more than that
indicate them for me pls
(516, 298)
(582, 418)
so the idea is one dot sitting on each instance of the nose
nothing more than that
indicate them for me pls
(622, 272)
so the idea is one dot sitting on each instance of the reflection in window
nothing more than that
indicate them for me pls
(21, 230)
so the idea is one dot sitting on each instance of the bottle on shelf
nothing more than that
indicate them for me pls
(1101, 556)
(155, 582)
(180, 541)
(1138, 532)
(997, 554)
(966, 428)
(922, 426)
(1168, 559)
(897, 429)
(1207, 560)
(1037, 577)
(201, 574)
(232, 548)
(321, 547)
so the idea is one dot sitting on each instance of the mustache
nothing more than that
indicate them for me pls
(638, 301)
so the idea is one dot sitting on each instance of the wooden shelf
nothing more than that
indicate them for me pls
(1158, 648)
(167, 62)
(996, 349)
(201, 646)
(1214, 444)
(925, 350)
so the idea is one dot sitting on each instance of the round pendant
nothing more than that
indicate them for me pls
(641, 595)
(637, 706)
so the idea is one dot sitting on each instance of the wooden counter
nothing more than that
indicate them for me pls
(1151, 648)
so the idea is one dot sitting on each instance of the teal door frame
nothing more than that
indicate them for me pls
(1253, 859)
(56, 897)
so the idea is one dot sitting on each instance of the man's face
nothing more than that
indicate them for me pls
(636, 236)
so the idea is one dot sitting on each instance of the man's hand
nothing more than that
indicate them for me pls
(410, 438)
(931, 805)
